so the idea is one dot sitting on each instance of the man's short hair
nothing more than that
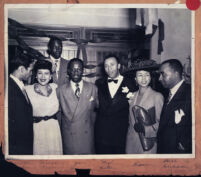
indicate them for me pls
(51, 42)
(175, 64)
(74, 60)
(21, 60)
(111, 56)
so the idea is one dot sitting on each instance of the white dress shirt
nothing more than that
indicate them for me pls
(73, 85)
(113, 87)
(175, 88)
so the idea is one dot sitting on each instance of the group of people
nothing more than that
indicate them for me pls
(60, 113)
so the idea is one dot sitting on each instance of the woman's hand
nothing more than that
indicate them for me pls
(139, 128)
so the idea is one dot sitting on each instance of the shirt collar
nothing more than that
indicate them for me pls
(74, 84)
(54, 60)
(176, 87)
(18, 82)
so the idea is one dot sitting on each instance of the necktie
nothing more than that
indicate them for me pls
(113, 80)
(77, 91)
(56, 68)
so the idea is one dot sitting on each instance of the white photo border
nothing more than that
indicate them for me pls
(124, 156)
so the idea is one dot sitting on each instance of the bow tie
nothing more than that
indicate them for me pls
(113, 80)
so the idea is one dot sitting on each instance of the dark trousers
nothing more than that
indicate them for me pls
(102, 148)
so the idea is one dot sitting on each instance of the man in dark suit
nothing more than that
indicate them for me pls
(59, 64)
(175, 127)
(20, 124)
(112, 122)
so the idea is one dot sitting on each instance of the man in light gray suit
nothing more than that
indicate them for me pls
(78, 101)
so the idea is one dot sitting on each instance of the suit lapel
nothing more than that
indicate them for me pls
(62, 72)
(61, 69)
(75, 106)
(55, 78)
(84, 98)
(177, 94)
(19, 91)
(106, 91)
(119, 91)
(71, 101)
(168, 108)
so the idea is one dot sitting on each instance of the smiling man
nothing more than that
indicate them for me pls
(112, 121)
(78, 101)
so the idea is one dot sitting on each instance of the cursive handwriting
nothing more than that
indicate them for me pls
(106, 164)
(173, 166)
(137, 164)
(170, 163)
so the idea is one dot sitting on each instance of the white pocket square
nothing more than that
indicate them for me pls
(178, 115)
(91, 99)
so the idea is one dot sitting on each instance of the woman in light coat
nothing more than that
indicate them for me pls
(150, 101)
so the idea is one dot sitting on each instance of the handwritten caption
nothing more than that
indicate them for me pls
(171, 163)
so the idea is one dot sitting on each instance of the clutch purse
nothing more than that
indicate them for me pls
(145, 118)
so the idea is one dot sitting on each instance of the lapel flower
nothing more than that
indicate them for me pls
(129, 94)
(125, 90)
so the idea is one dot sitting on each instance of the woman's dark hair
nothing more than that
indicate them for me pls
(43, 64)
(148, 70)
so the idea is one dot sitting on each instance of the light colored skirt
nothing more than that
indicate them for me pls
(47, 138)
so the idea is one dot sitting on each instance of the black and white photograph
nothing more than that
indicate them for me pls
(99, 81)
